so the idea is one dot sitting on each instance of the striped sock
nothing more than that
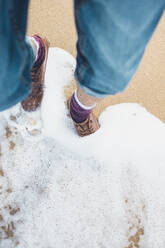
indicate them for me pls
(78, 111)
(41, 51)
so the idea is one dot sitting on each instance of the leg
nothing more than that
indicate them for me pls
(16, 58)
(21, 77)
(112, 36)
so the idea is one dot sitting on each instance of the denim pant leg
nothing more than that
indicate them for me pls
(16, 58)
(112, 36)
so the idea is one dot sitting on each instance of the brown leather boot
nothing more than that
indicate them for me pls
(33, 101)
(87, 127)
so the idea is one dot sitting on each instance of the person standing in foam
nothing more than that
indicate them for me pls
(112, 36)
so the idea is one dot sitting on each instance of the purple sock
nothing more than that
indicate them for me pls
(41, 51)
(78, 113)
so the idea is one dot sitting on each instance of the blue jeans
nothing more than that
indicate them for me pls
(112, 36)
